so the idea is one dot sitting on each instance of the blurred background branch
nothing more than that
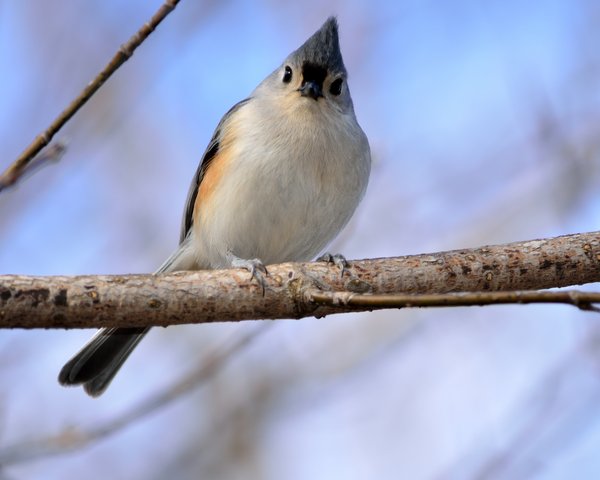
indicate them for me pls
(50, 155)
(76, 438)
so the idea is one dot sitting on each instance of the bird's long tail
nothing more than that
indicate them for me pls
(96, 364)
(99, 360)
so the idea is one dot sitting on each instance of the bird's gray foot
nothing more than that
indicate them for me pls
(338, 260)
(254, 266)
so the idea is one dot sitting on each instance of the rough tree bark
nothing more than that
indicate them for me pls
(229, 295)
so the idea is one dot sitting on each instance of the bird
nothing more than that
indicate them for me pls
(281, 176)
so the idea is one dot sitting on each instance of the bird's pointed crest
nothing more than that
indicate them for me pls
(323, 48)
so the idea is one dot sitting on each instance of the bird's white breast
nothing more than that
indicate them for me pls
(292, 182)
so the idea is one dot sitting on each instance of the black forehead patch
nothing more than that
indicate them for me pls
(313, 73)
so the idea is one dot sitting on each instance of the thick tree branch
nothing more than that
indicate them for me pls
(229, 295)
(17, 168)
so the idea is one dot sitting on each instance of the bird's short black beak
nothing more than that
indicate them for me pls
(311, 89)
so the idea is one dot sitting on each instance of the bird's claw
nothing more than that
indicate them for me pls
(337, 259)
(256, 268)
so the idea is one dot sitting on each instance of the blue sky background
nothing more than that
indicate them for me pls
(483, 119)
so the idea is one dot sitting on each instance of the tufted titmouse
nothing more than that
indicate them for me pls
(281, 176)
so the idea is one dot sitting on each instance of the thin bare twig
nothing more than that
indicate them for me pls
(75, 439)
(579, 299)
(17, 168)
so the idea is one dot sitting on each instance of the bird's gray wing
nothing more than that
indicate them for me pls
(209, 154)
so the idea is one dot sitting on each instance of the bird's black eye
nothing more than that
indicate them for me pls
(336, 87)
(287, 75)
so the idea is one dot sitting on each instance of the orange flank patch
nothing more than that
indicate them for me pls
(204, 205)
